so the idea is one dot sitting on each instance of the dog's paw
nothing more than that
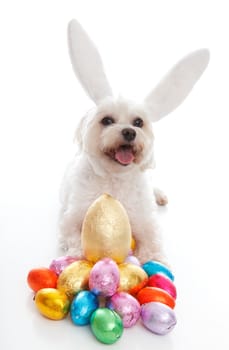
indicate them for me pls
(62, 244)
(161, 259)
(74, 252)
(161, 198)
(146, 254)
(70, 245)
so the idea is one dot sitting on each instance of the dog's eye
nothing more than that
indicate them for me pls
(138, 122)
(107, 121)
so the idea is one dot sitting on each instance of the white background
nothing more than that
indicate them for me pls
(41, 103)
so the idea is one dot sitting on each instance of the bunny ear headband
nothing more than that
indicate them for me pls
(163, 99)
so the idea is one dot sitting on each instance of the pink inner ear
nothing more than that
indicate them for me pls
(124, 156)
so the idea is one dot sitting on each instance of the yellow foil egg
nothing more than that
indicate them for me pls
(52, 303)
(132, 278)
(133, 244)
(74, 278)
(106, 230)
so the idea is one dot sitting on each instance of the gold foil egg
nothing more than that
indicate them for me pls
(132, 278)
(52, 303)
(106, 230)
(74, 278)
(132, 244)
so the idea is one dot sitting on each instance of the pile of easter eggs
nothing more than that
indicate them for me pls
(107, 290)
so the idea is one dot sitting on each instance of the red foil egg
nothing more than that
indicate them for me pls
(161, 281)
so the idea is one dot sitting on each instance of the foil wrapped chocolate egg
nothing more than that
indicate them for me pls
(106, 325)
(126, 306)
(158, 318)
(41, 278)
(52, 303)
(132, 278)
(149, 294)
(74, 278)
(153, 267)
(82, 307)
(133, 244)
(106, 230)
(58, 265)
(104, 278)
(132, 260)
(161, 281)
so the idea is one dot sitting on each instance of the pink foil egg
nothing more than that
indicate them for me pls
(59, 264)
(104, 277)
(126, 306)
(158, 318)
(161, 281)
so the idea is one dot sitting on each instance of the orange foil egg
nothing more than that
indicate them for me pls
(41, 278)
(149, 294)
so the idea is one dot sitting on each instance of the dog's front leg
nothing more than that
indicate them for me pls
(148, 242)
(69, 233)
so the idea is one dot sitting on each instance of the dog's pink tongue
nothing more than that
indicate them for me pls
(124, 155)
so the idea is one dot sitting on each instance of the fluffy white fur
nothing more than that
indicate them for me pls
(97, 168)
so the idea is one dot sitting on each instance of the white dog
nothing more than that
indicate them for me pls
(116, 146)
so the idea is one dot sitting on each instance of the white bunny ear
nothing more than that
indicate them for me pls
(87, 63)
(177, 84)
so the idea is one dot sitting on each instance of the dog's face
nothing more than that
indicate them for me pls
(117, 136)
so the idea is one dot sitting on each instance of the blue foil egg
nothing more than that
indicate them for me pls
(82, 307)
(153, 267)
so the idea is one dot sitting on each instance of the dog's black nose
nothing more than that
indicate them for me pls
(129, 134)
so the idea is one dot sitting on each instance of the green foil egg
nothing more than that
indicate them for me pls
(106, 325)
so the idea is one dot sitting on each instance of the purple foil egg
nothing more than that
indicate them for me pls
(126, 306)
(104, 277)
(158, 318)
(132, 260)
(59, 264)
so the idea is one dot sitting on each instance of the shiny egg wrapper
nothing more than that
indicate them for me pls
(52, 303)
(106, 230)
(132, 278)
(74, 278)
